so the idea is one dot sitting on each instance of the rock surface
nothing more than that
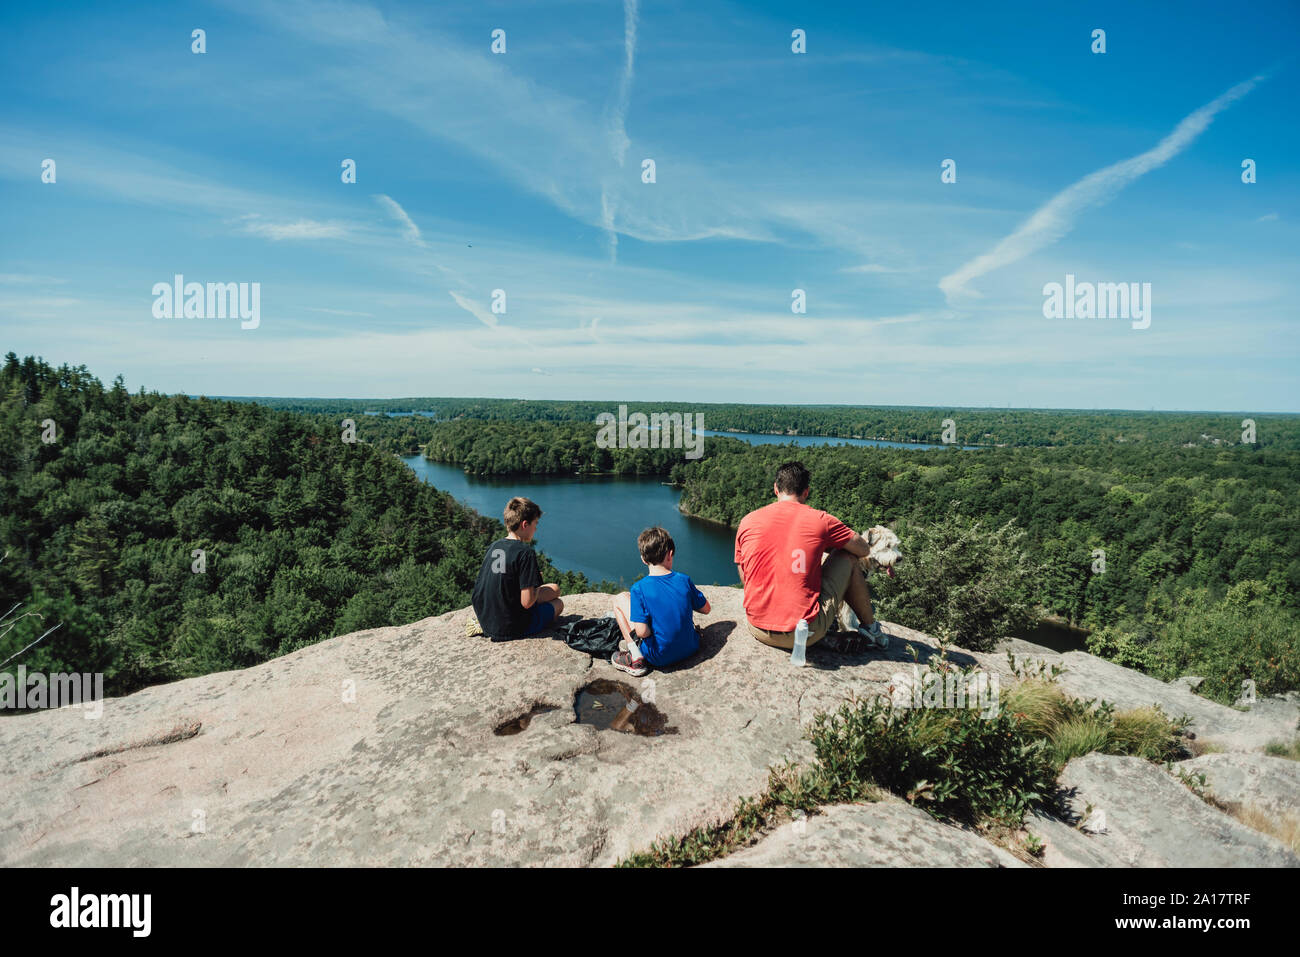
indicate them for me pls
(279, 765)
(1271, 784)
(884, 834)
(1087, 676)
(1144, 818)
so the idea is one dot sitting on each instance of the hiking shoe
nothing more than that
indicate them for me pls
(874, 635)
(623, 662)
(472, 627)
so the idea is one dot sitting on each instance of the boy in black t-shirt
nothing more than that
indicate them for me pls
(509, 597)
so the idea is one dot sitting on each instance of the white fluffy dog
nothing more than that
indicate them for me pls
(884, 552)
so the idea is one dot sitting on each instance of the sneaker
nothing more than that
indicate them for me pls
(874, 635)
(623, 662)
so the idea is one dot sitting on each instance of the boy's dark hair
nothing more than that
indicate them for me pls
(520, 510)
(792, 478)
(655, 544)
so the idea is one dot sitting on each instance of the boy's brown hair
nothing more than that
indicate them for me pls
(520, 510)
(655, 543)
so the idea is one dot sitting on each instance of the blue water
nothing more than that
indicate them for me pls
(590, 524)
(804, 441)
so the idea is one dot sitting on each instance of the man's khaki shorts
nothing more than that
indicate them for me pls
(836, 571)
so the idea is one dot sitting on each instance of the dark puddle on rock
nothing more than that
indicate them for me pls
(515, 725)
(603, 703)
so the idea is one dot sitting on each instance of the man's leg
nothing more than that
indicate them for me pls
(858, 595)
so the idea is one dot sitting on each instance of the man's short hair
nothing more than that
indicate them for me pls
(520, 510)
(792, 478)
(655, 544)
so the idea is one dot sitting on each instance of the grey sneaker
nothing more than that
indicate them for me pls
(874, 635)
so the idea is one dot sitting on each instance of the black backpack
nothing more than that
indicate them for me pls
(598, 637)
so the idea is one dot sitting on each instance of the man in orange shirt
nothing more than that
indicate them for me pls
(781, 554)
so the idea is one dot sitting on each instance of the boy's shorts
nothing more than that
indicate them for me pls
(540, 617)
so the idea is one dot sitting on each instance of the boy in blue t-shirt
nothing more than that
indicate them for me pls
(655, 616)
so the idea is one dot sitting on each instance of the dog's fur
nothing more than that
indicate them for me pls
(884, 554)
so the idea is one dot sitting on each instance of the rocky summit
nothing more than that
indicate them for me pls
(419, 745)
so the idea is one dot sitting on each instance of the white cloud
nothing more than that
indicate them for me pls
(474, 309)
(302, 229)
(1056, 217)
(409, 230)
(868, 268)
(21, 279)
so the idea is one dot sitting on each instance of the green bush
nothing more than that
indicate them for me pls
(961, 581)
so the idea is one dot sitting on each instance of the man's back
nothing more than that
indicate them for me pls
(779, 550)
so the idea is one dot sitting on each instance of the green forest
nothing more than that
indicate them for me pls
(304, 536)
(980, 426)
(1178, 553)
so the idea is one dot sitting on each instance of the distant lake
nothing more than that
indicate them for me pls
(759, 438)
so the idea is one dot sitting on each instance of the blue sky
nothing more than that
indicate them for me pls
(775, 171)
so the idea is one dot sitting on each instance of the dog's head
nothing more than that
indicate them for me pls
(884, 552)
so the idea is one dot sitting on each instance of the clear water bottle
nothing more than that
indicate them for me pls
(799, 654)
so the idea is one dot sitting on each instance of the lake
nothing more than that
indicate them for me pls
(590, 524)
(805, 441)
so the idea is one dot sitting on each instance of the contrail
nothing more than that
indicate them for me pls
(474, 309)
(618, 132)
(618, 129)
(1056, 217)
(409, 229)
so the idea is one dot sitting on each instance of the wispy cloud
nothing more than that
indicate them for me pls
(868, 268)
(484, 316)
(1268, 218)
(302, 229)
(618, 128)
(1056, 217)
(341, 312)
(22, 279)
(410, 231)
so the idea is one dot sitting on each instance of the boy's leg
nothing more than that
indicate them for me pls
(550, 592)
(623, 615)
(542, 615)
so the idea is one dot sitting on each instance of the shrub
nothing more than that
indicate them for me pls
(961, 581)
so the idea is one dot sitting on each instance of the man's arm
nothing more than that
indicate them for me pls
(528, 597)
(857, 545)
